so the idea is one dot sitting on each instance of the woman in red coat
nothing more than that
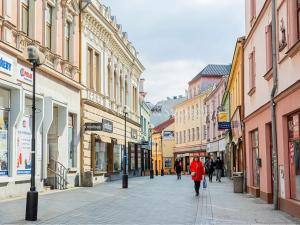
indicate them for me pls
(197, 171)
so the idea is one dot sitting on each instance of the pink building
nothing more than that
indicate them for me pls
(53, 27)
(216, 144)
(258, 86)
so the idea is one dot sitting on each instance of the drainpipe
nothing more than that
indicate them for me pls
(273, 107)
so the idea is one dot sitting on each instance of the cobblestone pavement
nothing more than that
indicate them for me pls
(163, 200)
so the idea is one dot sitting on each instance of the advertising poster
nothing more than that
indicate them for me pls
(24, 147)
(3, 153)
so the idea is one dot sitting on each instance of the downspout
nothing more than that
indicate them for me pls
(273, 107)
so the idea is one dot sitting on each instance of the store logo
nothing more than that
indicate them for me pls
(6, 64)
(25, 74)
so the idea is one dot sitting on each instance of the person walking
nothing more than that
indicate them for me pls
(219, 168)
(197, 172)
(209, 168)
(178, 168)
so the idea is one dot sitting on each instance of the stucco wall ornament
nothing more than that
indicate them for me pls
(282, 43)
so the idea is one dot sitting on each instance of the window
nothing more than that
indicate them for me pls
(121, 91)
(180, 137)
(252, 72)
(67, 40)
(25, 17)
(198, 133)
(117, 157)
(193, 134)
(294, 155)
(98, 73)
(71, 136)
(252, 11)
(49, 14)
(268, 47)
(193, 111)
(176, 137)
(184, 136)
(126, 93)
(189, 135)
(99, 157)
(197, 110)
(255, 157)
(208, 132)
(89, 71)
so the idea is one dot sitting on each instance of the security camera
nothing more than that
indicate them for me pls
(33, 54)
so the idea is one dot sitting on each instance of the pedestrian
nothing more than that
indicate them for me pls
(219, 168)
(197, 172)
(209, 168)
(178, 168)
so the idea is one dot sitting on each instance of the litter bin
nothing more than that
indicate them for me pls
(238, 182)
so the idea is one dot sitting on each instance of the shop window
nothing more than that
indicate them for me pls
(117, 157)
(99, 155)
(71, 137)
(294, 155)
(255, 157)
(132, 157)
(168, 163)
(4, 125)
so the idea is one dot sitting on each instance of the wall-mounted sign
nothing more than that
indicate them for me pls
(93, 126)
(107, 126)
(223, 122)
(6, 64)
(168, 135)
(133, 133)
(25, 74)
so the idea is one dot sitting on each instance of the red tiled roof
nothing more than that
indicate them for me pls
(163, 125)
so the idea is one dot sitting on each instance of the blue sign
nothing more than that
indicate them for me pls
(224, 125)
(6, 64)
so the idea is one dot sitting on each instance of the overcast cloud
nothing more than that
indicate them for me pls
(177, 38)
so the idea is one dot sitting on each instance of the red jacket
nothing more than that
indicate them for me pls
(198, 168)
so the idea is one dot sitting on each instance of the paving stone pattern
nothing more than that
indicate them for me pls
(163, 200)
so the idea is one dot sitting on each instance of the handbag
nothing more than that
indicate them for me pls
(193, 174)
(204, 183)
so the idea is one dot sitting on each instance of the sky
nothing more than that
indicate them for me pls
(177, 38)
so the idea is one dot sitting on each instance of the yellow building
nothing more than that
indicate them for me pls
(234, 91)
(163, 143)
(190, 131)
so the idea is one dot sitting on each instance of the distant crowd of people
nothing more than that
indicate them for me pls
(198, 170)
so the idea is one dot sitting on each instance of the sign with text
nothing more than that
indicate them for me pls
(25, 74)
(6, 64)
(223, 122)
(168, 135)
(107, 126)
(93, 126)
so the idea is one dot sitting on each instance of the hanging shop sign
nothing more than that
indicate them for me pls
(24, 147)
(107, 126)
(6, 64)
(133, 133)
(93, 126)
(236, 124)
(223, 123)
(25, 74)
(168, 135)
(3, 153)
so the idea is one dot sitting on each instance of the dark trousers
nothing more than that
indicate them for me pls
(178, 175)
(210, 175)
(197, 185)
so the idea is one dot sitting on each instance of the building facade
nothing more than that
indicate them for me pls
(110, 74)
(258, 86)
(39, 23)
(145, 121)
(235, 110)
(163, 142)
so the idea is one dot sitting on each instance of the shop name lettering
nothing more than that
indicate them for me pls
(25, 74)
(5, 65)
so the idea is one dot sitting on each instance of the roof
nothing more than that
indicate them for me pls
(213, 70)
(164, 125)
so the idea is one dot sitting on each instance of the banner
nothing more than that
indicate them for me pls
(3, 153)
(24, 147)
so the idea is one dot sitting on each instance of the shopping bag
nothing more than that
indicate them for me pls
(204, 183)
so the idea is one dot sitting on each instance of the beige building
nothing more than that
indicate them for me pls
(163, 143)
(190, 133)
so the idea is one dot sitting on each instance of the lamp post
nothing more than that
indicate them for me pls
(125, 175)
(32, 194)
(151, 159)
(156, 169)
(162, 172)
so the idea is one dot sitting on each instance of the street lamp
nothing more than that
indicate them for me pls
(125, 175)
(156, 169)
(34, 58)
(151, 159)
(162, 172)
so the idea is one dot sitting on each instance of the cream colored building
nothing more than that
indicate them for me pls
(190, 133)
(110, 74)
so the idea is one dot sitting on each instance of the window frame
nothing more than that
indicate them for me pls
(26, 8)
(49, 25)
